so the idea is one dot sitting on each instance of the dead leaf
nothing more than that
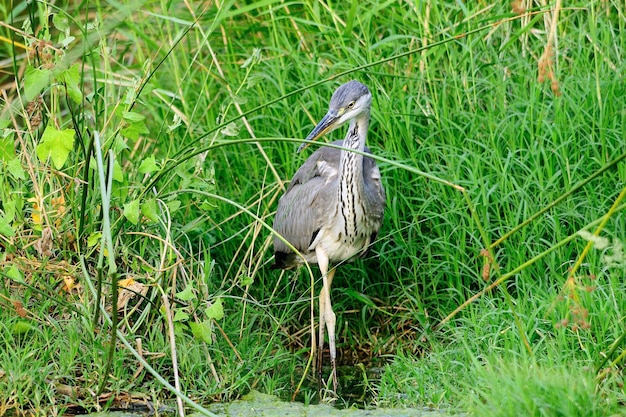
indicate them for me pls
(129, 288)
(43, 245)
(36, 212)
(70, 284)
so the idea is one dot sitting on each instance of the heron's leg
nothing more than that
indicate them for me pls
(330, 319)
(320, 340)
(322, 260)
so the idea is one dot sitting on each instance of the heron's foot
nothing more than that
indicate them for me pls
(324, 385)
(334, 375)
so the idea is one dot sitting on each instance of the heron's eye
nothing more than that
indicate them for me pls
(351, 105)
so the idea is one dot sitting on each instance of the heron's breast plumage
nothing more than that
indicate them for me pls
(351, 226)
(335, 203)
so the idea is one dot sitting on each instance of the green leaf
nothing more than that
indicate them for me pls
(207, 205)
(131, 211)
(21, 327)
(173, 205)
(9, 209)
(247, 281)
(180, 315)
(120, 144)
(186, 294)
(14, 205)
(35, 80)
(150, 210)
(93, 239)
(202, 331)
(180, 328)
(7, 148)
(134, 129)
(148, 165)
(56, 144)
(215, 310)
(14, 167)
(133, 117)
(5, 227)
(14, 273)
(71, 78)
(118, 172)
(61, 21)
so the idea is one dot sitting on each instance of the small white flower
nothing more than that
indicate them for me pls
(599, 241)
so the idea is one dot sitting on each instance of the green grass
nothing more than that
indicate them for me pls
(456, 95)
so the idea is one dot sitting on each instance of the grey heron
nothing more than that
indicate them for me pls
(333, 207)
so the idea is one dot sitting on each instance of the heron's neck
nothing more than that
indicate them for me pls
(351, 186)
(357, 133)
(352, 163)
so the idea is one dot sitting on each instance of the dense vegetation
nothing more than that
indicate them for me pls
(144, 146)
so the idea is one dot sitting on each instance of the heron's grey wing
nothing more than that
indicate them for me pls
(374, 190)
(374, 195)
(305, 206)
(329, 158)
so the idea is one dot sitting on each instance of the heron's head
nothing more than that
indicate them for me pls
(349, 101)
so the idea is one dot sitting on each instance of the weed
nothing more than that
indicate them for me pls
(143, 147)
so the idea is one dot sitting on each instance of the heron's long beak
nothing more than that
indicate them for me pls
(327, 124)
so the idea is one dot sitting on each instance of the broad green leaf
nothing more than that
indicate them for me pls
(71, 78)
(22, 326)
(132, 116)
(150, 210)
(173, 205)
(207, 205)
(247, 281)
(56, 145)
(134, 129)
(148, 165)
(61, 21)
(131, 211)
(93, 239)
(9, 209)
(14, 273)
(215, 310)
(35, 80)
(118, 172)
(120, 144)
(14, 167)
(180, 315)
(17, 201)
(186, 294)
(180, 328)
(202, 331)
(130, 95)
(5, 227)
(148, 88)
(7, 148)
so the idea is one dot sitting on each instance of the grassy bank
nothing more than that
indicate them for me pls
(145, 146)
